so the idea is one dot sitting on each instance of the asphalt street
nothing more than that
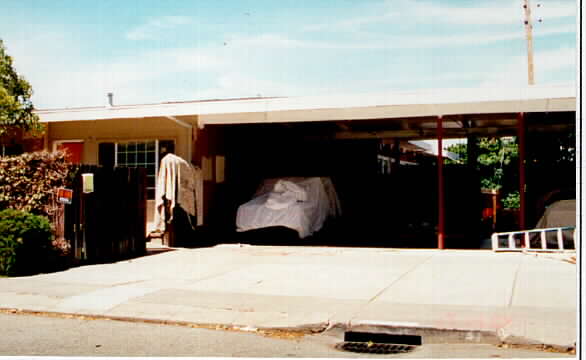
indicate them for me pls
(35, 335)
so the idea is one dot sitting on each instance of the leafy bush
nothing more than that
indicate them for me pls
(25, 243)
(28, 181)
(512, 200)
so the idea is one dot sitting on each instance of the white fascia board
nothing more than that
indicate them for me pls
(344, 107)
(384, 112)
(408, 99)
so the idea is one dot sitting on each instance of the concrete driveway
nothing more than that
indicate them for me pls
(516, 297)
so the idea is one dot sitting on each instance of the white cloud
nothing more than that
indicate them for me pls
(247, 65)
(154, 28)
(555, 9)
(482, 13)
(268, 41)
(545, 63)
(272, 41)
(59, 84)
(350, 24)
(552, 30)
(238, 84)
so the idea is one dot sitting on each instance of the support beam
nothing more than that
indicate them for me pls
(396, 156)
(471, 152)
(344, 126)
(472, 162)
(440, 182)
(448, 133)
(522, 180)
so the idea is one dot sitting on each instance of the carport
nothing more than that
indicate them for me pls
(241, 141)
(237, 142)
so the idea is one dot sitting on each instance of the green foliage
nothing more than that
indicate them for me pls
(28, 185)
(25, 243)
(462, 152)
(496, 163)
(28, 182)
(512, 200)
(495, 156)
(16, 108)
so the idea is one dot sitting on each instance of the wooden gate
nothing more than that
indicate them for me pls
(107, 224)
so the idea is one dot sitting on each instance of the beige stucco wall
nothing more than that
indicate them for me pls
(93, 132)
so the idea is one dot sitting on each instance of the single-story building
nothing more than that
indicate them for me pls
(237, 142)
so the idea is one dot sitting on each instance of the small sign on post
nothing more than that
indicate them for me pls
(64, 196)
(87, 183)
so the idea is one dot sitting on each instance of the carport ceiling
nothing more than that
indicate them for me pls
(455, 126)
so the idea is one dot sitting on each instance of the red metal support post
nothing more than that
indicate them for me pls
(522, 179)
(440, 182)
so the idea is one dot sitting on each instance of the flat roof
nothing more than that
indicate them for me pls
(338, 107)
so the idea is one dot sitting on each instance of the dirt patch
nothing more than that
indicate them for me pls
(272, 333)
(570, 350)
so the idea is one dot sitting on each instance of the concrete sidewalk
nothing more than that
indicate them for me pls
(513, 296)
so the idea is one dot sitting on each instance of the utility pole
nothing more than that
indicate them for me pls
(529, 37)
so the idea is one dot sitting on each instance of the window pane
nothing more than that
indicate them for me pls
(150, 157)
(121, 159)
(141, 158)
(140, 154)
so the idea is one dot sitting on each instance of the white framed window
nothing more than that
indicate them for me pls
(145, 154)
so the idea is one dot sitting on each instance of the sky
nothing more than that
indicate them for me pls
(74, 52)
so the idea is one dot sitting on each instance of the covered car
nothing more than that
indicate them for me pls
(302, 204)
(559, 214)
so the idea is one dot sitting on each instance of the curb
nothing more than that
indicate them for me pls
(439, 335)
(300, 330)
(429, 334)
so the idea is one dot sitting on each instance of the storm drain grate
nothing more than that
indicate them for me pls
(376, 343)
(374, 348)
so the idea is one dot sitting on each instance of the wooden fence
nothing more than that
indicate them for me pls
(109, 223)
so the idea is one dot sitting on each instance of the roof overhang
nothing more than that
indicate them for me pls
(335, 108)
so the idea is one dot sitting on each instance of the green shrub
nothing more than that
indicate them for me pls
(25, 243)
(28, 181)
(512, 200)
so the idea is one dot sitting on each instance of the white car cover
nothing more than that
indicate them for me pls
(301, 204)
(560, 213)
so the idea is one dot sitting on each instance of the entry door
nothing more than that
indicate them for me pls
(74, 151)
